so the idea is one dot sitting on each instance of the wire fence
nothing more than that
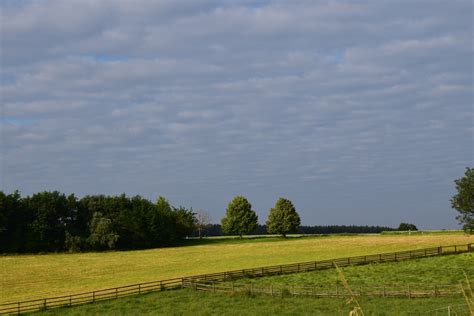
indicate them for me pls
(182, 282)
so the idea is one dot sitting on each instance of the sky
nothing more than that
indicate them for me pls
(360, 112)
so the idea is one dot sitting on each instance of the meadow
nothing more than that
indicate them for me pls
(189, 302)
(35, 276)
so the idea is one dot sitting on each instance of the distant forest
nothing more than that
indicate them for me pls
(55, 222)
(216, 230)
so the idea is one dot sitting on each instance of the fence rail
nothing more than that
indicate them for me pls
(161, 285)
(336, 290)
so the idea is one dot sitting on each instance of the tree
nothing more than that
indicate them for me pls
(203, 220)
(407, 227)
(53, 215)
(102, 234)
(185, 221)
(240, 218)
(283, 218)
(463, 201)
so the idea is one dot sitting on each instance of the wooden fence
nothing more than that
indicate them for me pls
(325, 264)
(161, 285)
(334, 290)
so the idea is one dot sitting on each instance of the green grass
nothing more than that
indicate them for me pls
(188, 302)
(25, 277)
(436, 270)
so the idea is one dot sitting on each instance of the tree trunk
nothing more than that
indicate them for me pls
(199, 230)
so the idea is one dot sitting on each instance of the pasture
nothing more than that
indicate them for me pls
(189, 302)
(35, 276)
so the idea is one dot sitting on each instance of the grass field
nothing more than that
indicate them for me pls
(35, 276)
(436, 270)
(188, 302)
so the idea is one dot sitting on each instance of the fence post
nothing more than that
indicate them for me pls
(271, 288)
(116, 293)
(348, 261)
(440, 250)
(455, 249)
(396, 256)
(18, 308)
(139, 288)
(161, 285)
(425, 252)
(213, 286)
(337, 290)
(380, 258)
(93, 297)
(70, 300)
(44, 304)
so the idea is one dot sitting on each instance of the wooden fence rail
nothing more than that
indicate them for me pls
(334, 290)
(161, 285)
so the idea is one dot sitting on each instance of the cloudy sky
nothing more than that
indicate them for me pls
(360, 112)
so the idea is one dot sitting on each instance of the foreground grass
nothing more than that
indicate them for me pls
(35, 276)
(447, 269)
(188, 302)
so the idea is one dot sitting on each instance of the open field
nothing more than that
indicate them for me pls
(35, 276)
(188, 302)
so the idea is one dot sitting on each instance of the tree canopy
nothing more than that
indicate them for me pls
(407, 227)
(52, 221)
(283, 218)
(240, 218)
(463, 200)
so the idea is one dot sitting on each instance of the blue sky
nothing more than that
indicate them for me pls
(359, 112)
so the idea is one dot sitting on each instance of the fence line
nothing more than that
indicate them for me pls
(335, 290)
(175, 283)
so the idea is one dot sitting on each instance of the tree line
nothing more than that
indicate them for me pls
(216, 230)
(52, 221)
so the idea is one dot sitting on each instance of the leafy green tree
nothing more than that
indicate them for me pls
(463, 200)
(15, 219)
(407, 227)
(52, 217)
(102, 234)
(185, 221)
(283, 218)
(240, 218)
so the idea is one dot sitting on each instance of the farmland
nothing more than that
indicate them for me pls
(35, 276)
(445, 269)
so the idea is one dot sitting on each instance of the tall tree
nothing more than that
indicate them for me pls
(240, 218)
(463, 200)
(283, 218)
(102, 234)
(52, 216)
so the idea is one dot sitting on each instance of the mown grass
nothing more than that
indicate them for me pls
(447, 269)
(35, 276)
(188, 302)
